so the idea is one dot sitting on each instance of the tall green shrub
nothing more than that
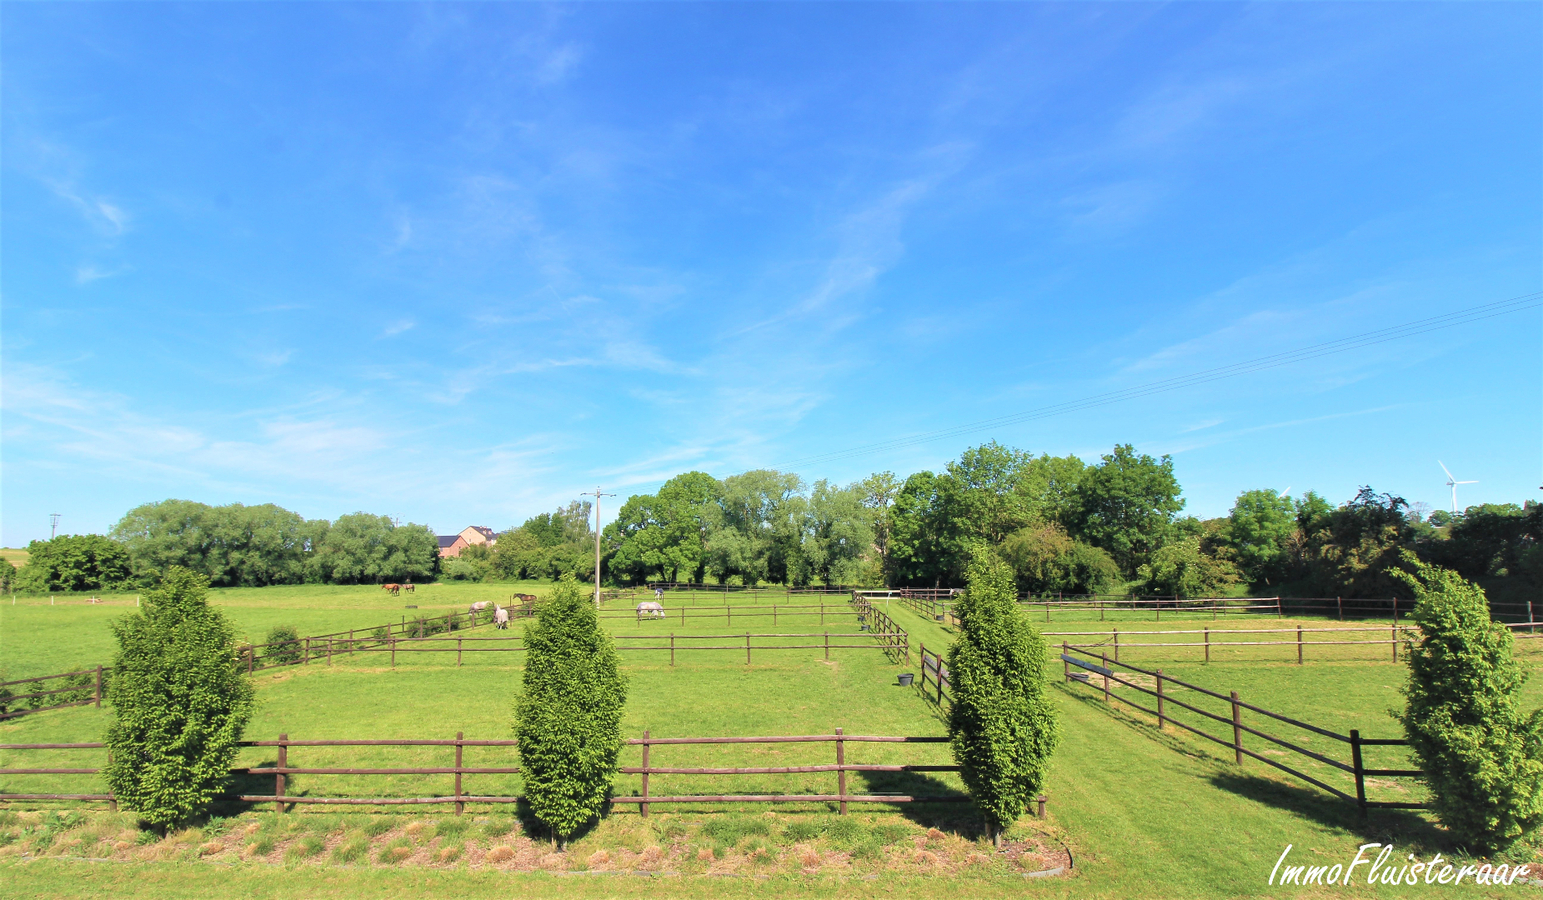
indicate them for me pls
(1003, 726)
(1481, 755)
(568, 720)
(179, 703)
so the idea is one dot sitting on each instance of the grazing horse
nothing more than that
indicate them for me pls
(500, 617)
(651, 609)
(479, 606)
(393, 588)
(409, 588)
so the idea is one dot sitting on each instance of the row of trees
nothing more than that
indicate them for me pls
(1061, 525)
(232, 546)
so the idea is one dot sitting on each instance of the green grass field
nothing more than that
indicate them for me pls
(1143, 814)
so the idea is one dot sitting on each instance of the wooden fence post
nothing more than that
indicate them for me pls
(1160, 700)
(1105, 658)
(1340, 602)
(1040, 808)
(672, 648)
(458, 651)
(643, 807)
(278, 780)
(1394, 630)
(251, 656)
(1530, 629)
(747, 648)
(460, 805)
(1116, 643)
(1066, 667)
(1299, 645)
(393, 653)
(306, 659)
(827, 646)
(841, 772)
(98, 687)
(1207, 643)
(1237, 728)
(1359, 769)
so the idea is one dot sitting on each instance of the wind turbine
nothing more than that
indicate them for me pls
(1452, 483)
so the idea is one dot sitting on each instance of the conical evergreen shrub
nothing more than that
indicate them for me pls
(1002, 726)
(568, 720)
(1481, 755)
(179, 703)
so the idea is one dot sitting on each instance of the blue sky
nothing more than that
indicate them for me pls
(458, 263)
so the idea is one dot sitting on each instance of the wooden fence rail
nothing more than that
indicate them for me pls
(283, 769)
(681, 643)
(896, 641)
(683, 612)
(1232, 717)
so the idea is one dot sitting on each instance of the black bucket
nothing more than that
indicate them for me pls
(906, 678)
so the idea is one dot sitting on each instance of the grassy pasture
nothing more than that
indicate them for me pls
(42, 638)
(14, 556)
(1144, 814)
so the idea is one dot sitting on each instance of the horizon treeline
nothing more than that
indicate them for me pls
(1062, 526)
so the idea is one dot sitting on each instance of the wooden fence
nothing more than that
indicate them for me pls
(682, 613)
(283, 768)
(80, 688)
(1219, 638)
(1163, 691)
(884, 629)
(460, 645)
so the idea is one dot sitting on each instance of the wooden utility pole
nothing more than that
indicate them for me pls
(598, 495)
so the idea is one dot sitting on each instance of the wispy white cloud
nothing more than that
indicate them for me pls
(399, 326)
(87, 273)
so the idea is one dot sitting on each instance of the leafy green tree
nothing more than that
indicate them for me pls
(1481, 755)
(250, 546)
(7, 578)
(1002, 726)
(926, 547)
(1486, 541)
(1259, 531)
(179, 703)
(74, 562)
(365, 549)
(1045, 559)
(1049, 486)
(568, 720)
(1183, 568)
(839, 534)
(1126, 505)
(1354, 550)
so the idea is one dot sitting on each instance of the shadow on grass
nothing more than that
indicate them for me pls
(951, 811)
(1395, 826)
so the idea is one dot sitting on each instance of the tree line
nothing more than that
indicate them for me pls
(1061, 525)
(231, 546)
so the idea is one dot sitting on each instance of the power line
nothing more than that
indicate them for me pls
(1275, 360)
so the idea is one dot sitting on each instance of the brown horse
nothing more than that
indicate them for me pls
(408, 587)
(393, 588)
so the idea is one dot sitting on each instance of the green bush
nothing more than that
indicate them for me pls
(283, 646)
(568, 719)
(1481, 755)
(179, 703)
(1002, 726)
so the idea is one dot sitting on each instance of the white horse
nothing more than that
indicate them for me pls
(500, 617)
(651, 609)
(479, 606)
